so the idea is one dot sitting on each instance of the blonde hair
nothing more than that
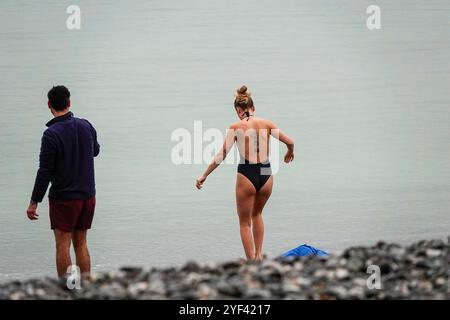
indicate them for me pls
(243, 99)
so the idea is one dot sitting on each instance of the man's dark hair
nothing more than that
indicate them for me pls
(59, 97)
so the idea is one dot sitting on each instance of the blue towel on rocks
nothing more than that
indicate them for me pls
(303, 251)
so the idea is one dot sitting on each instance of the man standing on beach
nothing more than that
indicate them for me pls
(68, 148)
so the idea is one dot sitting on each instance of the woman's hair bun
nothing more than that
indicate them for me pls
(243, 92)
(243, 98)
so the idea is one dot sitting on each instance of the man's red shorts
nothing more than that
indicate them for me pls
(70, 215)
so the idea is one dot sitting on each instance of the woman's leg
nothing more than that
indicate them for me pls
(261, 198)
(245, 196)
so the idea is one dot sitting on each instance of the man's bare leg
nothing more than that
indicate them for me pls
(63, 261)
(79, 239)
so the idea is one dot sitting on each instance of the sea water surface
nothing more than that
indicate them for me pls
(369, 111)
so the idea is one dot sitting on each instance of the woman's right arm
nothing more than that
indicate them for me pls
(288, 141)
(219, 157)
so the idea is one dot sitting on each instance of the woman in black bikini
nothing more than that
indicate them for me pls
(254, 179)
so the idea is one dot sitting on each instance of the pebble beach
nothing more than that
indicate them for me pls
(417, 271)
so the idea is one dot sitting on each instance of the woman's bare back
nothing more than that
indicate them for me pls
(252, 138)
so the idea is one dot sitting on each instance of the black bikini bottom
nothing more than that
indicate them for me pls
(257, 173)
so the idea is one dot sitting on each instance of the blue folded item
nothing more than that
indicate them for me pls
(303, 251)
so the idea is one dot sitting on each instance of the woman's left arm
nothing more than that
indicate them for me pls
(219, 157)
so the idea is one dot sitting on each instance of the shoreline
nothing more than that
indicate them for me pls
(420, 270)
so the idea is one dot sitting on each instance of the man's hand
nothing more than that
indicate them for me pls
(199, 182)
(289, 157)
(32, 211)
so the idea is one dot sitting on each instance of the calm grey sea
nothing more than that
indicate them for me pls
(369, 111)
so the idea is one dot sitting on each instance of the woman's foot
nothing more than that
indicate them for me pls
(258, 257)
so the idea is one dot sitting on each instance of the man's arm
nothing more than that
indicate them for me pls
(96, 145)
(94, 136)
(44, 174)
(46, 167)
